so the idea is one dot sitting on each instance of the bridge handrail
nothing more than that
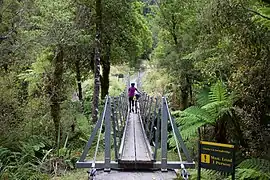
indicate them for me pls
(91, 138)
(100, 129)
(123, 139)
(184, 172)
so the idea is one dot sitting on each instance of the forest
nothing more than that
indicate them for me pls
(60, 58)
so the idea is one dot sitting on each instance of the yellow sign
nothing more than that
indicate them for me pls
(217, 144)
(205, 158)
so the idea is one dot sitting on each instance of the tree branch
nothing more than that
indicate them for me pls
(266, 1)
(259, 14)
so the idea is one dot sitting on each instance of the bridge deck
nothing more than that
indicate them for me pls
(135, 148)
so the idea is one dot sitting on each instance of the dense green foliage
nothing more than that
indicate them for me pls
(210, 57)
(213, 56)
(46, 77)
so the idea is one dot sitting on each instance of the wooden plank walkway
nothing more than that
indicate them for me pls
(142, 154)
(129, 153)
(135, 150)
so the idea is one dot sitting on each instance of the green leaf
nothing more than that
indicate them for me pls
(218, 92)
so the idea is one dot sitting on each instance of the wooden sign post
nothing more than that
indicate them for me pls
(216, 156)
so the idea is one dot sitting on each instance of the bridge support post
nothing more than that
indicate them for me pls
(107, 167)
(157, 133)
(115, 127)
(164, 136)
(148, 118)
(153, 120)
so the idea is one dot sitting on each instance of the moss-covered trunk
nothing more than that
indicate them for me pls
(95, 101)
(57, 90)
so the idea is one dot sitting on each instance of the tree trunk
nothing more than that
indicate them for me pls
(184, 98)
(173, 32)
(189, 84)
(95, 101)
(186, 93)
(78, 77)
(92, 62)
(1, 16)
(220, 132)
(56, 90)
(79, 84)
(106, 67)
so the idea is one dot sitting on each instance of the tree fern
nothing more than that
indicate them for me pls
(253, 169)
(194, 113)
(216, 109)
(205, 175)
(191, 119)
(176, 113)
(218, 93)
(218, 104)
(203, 98)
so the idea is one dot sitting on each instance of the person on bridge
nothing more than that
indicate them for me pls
(131, 94)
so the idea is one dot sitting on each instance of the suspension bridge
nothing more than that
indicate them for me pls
(136, 137)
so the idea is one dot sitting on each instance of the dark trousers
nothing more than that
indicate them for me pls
(131, 101)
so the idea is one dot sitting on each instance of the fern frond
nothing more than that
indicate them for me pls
(4, 152)
(218, 92)
(203, 97)
(214, 108)
(197, 113)
(251, 174)
(190, 131)
(191, 119)
(176, 113)
(225, 111)
(206, 174)
(256, 164)
(254, 168)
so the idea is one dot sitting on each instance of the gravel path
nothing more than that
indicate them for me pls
(120, 175)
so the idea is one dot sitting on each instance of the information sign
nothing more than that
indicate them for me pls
(216, 156)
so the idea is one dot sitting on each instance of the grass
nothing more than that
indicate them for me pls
(78, 174)
(81, 174)
(171, 156)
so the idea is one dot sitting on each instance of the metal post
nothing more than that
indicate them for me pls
(164, 131)
(148, 119)
(157, 134)
(145, 109)
(233, 161)
(144, 106)
(116, 118)
(107, 167)
(128, 83)
(121, 106)
(114, 131)
(120, 112)
(125, 106)
(199, 155)
(153, 120)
